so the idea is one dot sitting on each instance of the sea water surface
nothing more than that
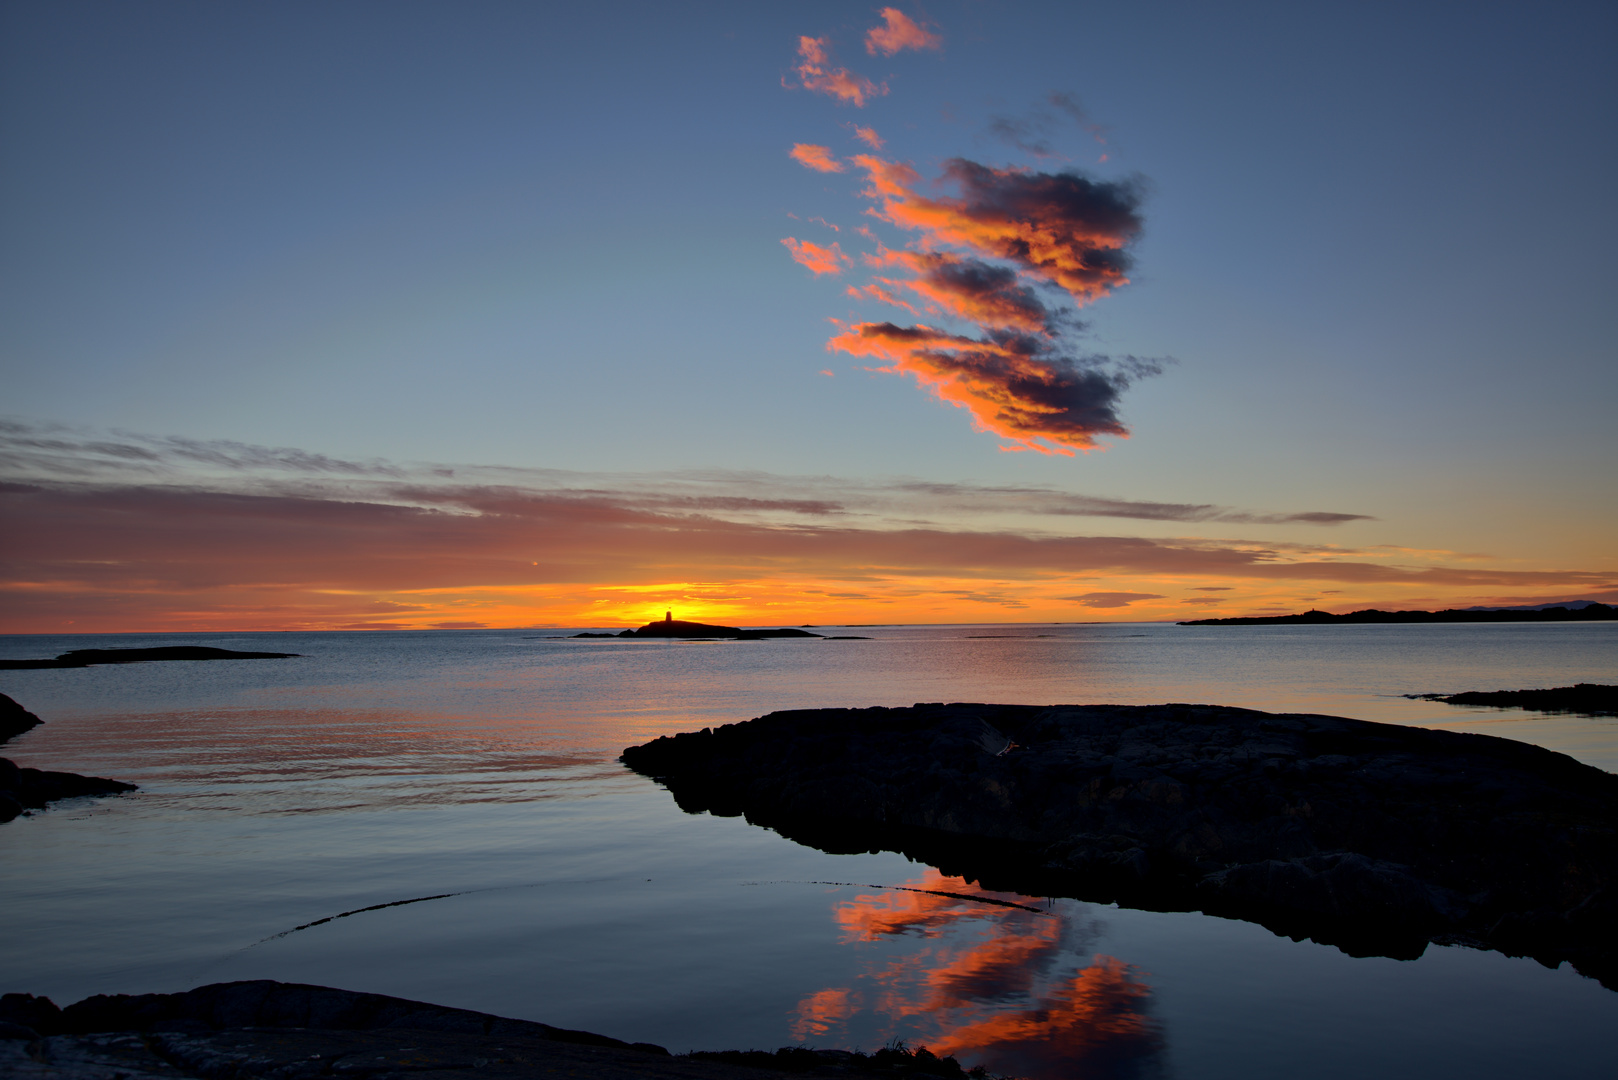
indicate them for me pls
(439, 815)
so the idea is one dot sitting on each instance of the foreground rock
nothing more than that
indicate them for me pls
(85, 657)
(1591, 699)
(22, 789)
(1373, 837)
(290, 1031)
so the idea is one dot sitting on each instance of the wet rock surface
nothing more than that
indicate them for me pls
(1373, 837)
(291, 1031)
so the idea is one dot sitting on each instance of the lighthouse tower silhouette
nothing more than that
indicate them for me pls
(668, 616)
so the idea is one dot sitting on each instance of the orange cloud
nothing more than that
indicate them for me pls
(869, 137)
(1051, 406)
(816, 73)
(1064, 227)
(899, 32)
(821, 260)
(974, 290)
(819, 158)
(1019, 230)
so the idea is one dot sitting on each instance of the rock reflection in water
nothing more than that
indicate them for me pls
(1017, 991)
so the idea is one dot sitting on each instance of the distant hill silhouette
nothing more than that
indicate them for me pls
(1589, 612)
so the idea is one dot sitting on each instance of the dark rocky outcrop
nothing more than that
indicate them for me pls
(14, 719)
(1588, 612)
(85, 657)
(1376, 838)
(22, 789)
(1590, 699)
(290, 1031)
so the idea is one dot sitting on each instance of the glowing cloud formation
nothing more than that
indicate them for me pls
(979, 254)
(814, 69)
(819, 158)
(899, 32)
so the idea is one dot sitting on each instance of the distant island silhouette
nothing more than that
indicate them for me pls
(86, 657)
(1590, 612)
(670, 627)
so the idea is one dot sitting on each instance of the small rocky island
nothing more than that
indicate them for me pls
(1376, 838)
(22, 790)
(670, 627)
(78, 658)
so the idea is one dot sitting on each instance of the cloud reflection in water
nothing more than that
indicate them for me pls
(1014, 990)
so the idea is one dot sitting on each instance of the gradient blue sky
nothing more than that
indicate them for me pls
(1378, 243)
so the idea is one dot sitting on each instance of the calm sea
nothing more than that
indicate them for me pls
(453, 797)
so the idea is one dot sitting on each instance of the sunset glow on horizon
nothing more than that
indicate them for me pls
(846, 314)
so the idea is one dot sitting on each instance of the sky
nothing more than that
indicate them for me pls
(409, 315)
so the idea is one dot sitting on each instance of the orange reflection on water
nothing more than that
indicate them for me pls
(992, 984)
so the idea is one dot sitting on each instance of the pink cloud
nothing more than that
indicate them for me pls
(819, 158)
(821, 260)
(869, 137)
(897, 33)
(817, 74)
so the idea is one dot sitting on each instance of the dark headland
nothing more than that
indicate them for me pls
(290, 1031)
(85, 657)
(1589, 699)
(1588, 613)
(1376, 838)
(22, 790)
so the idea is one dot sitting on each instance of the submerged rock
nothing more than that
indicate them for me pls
(1373, 837)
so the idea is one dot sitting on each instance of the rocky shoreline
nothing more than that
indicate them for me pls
(22, 790)
(292, 1031)
(1376, 838)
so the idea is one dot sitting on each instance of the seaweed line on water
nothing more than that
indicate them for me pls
(907, 888)
(389, 904)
